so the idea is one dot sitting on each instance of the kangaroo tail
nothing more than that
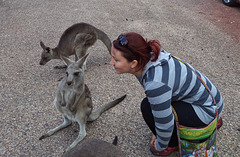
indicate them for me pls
(115, 141)
(105, 39)
(97, 112)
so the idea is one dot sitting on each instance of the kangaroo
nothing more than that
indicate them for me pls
(95, 148)
(74, 102)
(74, 41)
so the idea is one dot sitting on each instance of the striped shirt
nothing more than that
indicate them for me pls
(167, 80)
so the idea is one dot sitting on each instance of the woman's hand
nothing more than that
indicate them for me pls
(153, 142)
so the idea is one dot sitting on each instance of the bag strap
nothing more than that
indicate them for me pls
(198, 77)
(175, 113)
(178, 135)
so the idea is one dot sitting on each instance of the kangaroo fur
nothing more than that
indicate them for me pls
(95, 148)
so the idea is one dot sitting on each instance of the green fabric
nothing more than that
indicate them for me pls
(189, 133)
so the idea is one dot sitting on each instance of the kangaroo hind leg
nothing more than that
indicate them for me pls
(82, 132)
(65, 124)
(82, 42)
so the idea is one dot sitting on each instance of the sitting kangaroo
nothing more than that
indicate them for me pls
(74, 102)
(95, 148)
(75, 40)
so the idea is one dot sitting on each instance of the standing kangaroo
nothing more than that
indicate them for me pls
(75, 40)
(74, 102)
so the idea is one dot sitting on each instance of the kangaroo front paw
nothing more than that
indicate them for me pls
(60, 67)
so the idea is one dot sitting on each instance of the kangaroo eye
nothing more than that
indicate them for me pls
(76, 73)
(67, 73)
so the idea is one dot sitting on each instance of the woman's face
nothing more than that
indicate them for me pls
(120, 63)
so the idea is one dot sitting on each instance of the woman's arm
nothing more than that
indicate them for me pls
(159, 96)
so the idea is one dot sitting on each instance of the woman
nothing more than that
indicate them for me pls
(166, 81)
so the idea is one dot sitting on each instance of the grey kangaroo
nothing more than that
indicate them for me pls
(74, 41)
(95, 148)
(74, 102)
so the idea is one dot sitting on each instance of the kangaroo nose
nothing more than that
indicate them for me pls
(69, 83)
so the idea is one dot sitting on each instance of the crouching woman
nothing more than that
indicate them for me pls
(167, 82)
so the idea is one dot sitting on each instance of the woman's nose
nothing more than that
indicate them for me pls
(112, 62)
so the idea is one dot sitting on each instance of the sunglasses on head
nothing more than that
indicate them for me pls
(122, 40)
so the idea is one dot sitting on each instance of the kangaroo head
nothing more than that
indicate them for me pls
(46, 54)
(75, 71)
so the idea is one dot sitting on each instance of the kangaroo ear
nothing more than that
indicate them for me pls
(82, 60)
(42, 45)
(68, 61)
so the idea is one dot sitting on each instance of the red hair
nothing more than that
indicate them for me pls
(138, 48)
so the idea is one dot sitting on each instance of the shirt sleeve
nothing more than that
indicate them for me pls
(159, 96)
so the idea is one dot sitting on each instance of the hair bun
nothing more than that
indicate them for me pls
(155, 47)
(154, 43)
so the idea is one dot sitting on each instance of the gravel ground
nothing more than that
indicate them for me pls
(28, 89)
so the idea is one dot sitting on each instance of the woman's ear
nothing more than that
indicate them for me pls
(134, 64)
